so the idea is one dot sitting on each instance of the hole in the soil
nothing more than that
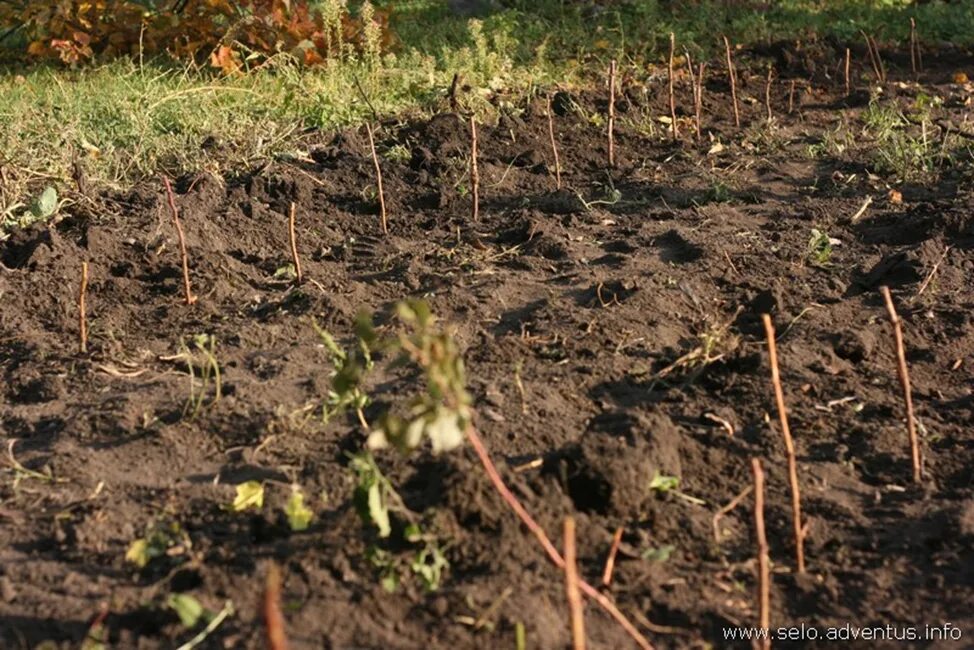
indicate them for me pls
(120, 270)
(589, 493)
(677, 249)
(186, 580)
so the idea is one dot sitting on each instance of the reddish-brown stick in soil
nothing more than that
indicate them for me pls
(698, 108)
(187, 289)
(674, 131)
(874, 59)
(791, 97)
(292, 236)
(767, 94)
(693, 88)
(779, 395)
(554, 145)
(495, 478)
(610, 561)
(612, 113)
(474, 174)
(915, 63)
(732, 76)
(764, 562)
(273, 617)
(378, 180)
(904, 374)
(571, 587)
(848, 63)
(82, 310)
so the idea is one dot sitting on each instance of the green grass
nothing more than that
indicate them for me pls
(125, 121)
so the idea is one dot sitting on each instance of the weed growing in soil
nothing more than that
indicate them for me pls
(350, 367)
(819, 248)
(898, 149)
(201, 357)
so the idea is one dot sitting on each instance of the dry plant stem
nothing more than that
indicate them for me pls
(674, 131)
(612, 113)
(554, 145)
(767, 94)
(764, 562)
(874, 58)
(292, 236)
(474, 174)
(879, 58)
(495, 478)
(733, 82)
(791, 97)
(610, 561)
(933, 272)
(720, 514)
(697, 90)
(916, 41)
(273, 617)
(848, 62)
(378, 180)
(699, 107)
(187, 289)
(571, 587)
(82, 311)
(779, 395)
(904, 383)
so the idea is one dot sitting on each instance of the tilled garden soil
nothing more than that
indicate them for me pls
(611, 332)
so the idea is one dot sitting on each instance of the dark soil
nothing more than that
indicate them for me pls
(682, 246)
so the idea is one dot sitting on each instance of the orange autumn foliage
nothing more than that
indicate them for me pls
(224, 33)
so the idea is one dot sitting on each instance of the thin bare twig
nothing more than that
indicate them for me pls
(732, 75)
(554, 145)
(378, 180)
(292, 236)
(697, 88)
(767, 94)
(82, 311)
(791, 97)
(571, 587)
(720, 514)
(764, 562)
(610, 561)
(273, 617)
(796, 507)
(904, 374)
(848, 63)
(916, 58)
(874, 58)
(187, 289)
(933, 272)
(603, 601)
(674, 131)
(612, 112)
(474, 174)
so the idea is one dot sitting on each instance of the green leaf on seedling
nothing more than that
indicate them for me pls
(138, 553)
(299, 516)
(46, 204)
(412, 533)
(378, 511)
(664, 483)
(285, 272)
(187, 608)
(429, 565)
(660, 554)
(249, 495)
(370, 494)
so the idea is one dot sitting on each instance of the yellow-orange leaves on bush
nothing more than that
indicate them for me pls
(225, 33)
